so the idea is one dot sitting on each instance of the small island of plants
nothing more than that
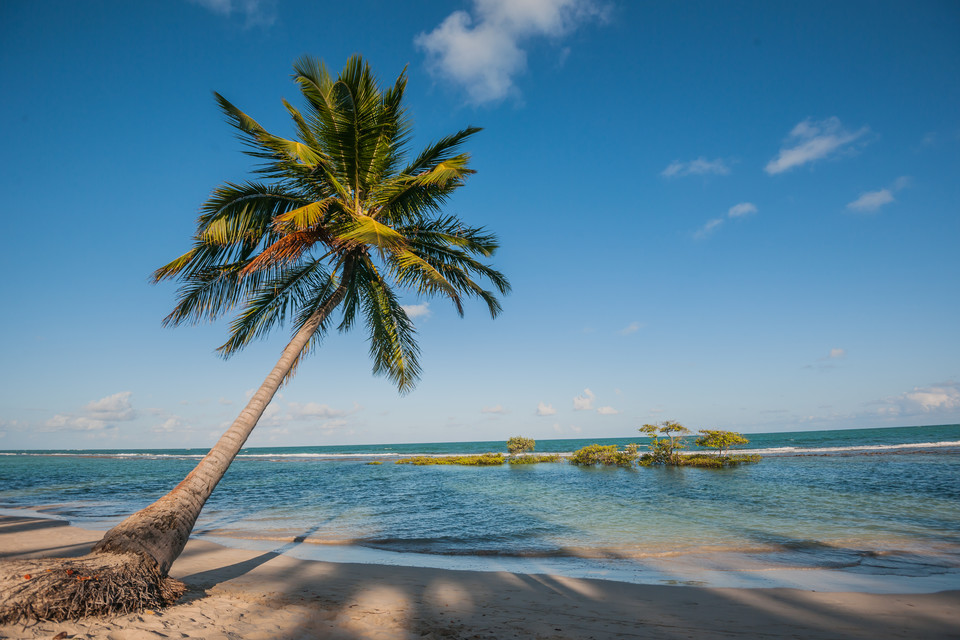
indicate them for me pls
(667, 442)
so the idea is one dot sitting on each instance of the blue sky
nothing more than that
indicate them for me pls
(738, 215)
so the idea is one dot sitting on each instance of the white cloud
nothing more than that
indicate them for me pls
(870, 201)
(421, 310)
(607, 411)
(811, 141)
(544, 409)
(736, 211)
(938, 398)
(313, 410)
(742, 209)
(481, 50)
(699, 167)
(170, 425)
(584, 402)
(69, 422)
(255, 12)
(96, 415)
(934, 398)
(112, 408)
(902, 183)
(633, 327)
(708, 228)
(496, 409)
(837, 353)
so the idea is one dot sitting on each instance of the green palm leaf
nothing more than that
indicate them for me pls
(339, 221)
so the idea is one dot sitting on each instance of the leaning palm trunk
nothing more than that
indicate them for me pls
(342, 224)
(159, 532)
(127, 570)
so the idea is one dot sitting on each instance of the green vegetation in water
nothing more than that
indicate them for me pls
(519, 444)
(535, 459)
(667, 440)
(716, 462)
(606, 455)
(375, 462)
(482, 460)
(719, 440)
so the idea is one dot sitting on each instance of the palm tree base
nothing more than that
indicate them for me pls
(93, 585)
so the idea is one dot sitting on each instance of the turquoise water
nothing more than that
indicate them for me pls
(873, 502)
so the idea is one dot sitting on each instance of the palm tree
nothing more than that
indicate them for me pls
(338, 224)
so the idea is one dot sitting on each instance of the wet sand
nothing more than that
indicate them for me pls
(251, 595)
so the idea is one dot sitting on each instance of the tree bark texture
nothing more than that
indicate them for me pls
(159, 532)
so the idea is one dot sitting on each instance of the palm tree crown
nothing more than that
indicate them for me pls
(339, 221)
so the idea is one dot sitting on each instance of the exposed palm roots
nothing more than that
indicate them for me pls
(92, 585)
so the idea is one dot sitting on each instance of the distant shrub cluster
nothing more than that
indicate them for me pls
(519, 444)
(482, 460)
(667, 441)
(607, 455)
(535, 459)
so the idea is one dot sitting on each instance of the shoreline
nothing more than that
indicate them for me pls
(251, 594)
(875, 571)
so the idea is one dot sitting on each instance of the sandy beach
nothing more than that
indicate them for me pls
(235, 593)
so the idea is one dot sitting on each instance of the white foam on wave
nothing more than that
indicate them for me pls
(863, 447)
(770, 451)
(374, 454)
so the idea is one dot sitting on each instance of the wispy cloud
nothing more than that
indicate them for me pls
(742, 209)
(633, 327)
(112, 408)
(317, 411)
(584, 402)
(828, 362)
(256, 13)
(708, 228)
(607, 411)
(173, 424)
(96, 415)
(544, 409)
(699, 167)
(810, 141)
(497, 409)
(481, 50)
(421, 310)
(871, 201)
(939, 398)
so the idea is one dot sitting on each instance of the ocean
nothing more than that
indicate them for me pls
(864, 509)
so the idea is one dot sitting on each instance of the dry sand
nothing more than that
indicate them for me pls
(250, 595)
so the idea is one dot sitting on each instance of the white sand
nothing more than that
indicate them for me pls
(250, 595)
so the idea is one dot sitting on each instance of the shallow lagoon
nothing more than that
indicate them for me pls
(884, 517)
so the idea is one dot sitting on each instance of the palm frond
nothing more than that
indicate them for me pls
(439, 151)
(393, 345)
(335, 222)
(275, 300)
(413, 271)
